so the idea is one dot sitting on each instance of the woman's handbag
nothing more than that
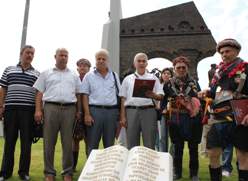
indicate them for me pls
(37, 131)
(79, 130)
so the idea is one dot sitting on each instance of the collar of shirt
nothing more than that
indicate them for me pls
(98, 73)
(20, 65)
(59, 70)
(137, 75)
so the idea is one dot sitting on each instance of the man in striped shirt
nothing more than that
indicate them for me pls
(17, 105)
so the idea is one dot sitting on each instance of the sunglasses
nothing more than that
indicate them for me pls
(181, 67)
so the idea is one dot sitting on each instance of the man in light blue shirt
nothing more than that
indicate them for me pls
(100, 90)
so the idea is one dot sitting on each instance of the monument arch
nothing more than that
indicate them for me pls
(166, 33)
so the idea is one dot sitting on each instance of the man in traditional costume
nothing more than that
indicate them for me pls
(229, 82)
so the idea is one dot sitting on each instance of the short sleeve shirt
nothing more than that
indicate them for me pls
(101, 90)
(58, 85)
(128, 85)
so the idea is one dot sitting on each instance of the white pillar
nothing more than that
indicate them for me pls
(25, 24)
(111, 34)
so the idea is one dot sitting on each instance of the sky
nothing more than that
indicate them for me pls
(77, 25)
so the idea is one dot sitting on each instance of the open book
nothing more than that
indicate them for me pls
(116, 163)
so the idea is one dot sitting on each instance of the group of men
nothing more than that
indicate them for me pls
(57, 97)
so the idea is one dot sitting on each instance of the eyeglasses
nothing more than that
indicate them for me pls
(181, 67)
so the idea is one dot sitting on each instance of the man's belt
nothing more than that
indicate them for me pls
(105, 106)
(222, 113)
(140, 107)
(175, 110)
(61, 103)
(221, 109)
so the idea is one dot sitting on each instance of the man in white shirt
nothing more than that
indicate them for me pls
(139, 114)
(58, 89)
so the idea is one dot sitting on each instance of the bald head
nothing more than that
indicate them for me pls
(102, 52)
(102, 60)
(140, 62)
(140, 56)
(61, 49)
(61, 57)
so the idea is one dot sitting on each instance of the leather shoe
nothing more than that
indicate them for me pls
(176, 177)
(24, 177)
(3, 178)
(67, 178)
(49, 178)
(195, 178)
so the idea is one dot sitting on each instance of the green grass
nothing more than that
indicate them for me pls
(36, 169)
(37, 166)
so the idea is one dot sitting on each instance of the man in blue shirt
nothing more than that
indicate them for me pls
(101, 113)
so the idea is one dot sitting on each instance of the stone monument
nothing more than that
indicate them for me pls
(165, 33)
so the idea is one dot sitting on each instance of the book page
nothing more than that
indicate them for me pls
(105, 165)
(145, 164)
